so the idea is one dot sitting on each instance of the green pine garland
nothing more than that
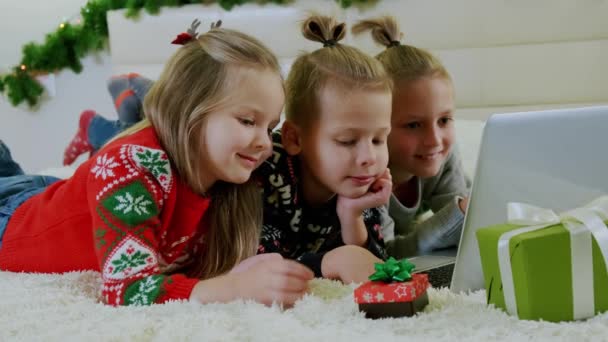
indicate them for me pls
(22, 87)
(65, 47)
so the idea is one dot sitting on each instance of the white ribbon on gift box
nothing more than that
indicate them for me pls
(581, 223)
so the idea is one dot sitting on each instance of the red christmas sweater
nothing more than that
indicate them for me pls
(124, 213)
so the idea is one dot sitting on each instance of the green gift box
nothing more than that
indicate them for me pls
(558, 269)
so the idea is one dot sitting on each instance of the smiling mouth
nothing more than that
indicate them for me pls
(362, 180)
(429, 156)
(249, 160)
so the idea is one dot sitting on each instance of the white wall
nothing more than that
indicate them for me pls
(37, 137)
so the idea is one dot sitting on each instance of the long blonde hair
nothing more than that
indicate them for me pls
(196, 81)
(403, 62)
(334, 63)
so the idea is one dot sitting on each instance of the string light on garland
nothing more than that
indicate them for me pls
(87, 32)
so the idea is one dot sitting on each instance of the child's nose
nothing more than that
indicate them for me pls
(432, 137)
(263, 141)
(366, 155)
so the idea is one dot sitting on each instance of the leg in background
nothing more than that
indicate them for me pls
(80, 142)
(101, 130)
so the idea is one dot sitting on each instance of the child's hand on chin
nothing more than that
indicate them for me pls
(378, 195)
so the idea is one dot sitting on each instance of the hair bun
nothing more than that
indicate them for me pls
(384, 30)
(323, 29)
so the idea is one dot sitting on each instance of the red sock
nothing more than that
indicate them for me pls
(80, 143)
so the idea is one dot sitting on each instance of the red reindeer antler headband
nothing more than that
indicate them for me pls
(191, 34)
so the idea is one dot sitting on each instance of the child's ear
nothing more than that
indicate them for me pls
(290, 136)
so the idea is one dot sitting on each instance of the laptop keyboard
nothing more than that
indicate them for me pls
(441, 276)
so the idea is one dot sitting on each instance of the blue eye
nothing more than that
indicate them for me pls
(412, 125)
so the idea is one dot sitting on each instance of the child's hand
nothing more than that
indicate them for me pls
(350, 210)
(349, 264)
(274, 280)
(463, 203)
(379, 193)
(251, 261)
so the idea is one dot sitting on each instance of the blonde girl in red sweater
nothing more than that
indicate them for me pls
(166, 210)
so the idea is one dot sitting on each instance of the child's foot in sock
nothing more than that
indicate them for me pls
(128, 92)
(80, 143)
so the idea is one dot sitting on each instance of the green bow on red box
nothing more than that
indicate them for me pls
(393, 270)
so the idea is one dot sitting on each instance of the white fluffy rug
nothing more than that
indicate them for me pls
(66, 307)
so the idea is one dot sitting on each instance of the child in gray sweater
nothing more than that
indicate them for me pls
(424, 160)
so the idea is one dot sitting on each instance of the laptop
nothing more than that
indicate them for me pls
(554, 159)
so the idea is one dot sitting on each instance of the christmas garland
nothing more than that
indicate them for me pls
(72, 41)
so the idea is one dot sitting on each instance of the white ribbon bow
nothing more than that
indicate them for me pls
(581, 223)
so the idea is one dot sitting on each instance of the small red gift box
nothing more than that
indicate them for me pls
(396, 299)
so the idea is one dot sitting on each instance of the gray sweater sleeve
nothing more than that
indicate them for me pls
(441, 193)
(440, 190)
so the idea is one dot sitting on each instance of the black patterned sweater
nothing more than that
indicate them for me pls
(298, 231)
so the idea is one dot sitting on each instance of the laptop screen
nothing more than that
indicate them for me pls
(553, 159)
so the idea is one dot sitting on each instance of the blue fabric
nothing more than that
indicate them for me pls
(16, 190)
(8, 167)
(15, 187)
(101, 130)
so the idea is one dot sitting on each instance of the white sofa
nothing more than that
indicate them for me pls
(504, 56)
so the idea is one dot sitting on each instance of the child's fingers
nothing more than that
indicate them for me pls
(290, 284)
(266, 257)
(381, 194)
(387, 190)
(295, 269)
(387, 185)
(381, 184)
(251, 261)
(376, 185)
(387, 174)
(288, 299)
